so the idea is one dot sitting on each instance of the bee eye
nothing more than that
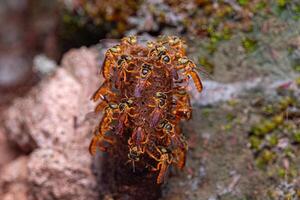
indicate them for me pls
(162, 102)
(129, 102)
(168, 127)
(121, 106)
(120, 61)
(161, 124)
(113, 106)
(145, 71)
(166, 59)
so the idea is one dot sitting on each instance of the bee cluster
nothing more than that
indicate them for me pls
(144, 98)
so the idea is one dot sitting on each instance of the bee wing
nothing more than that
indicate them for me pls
(203, 73)
(92, 115)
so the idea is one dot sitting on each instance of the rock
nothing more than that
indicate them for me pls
(49, 123)
(13, 182)
(215, 92)
(56, 175)
(16, 191)
(7, 152)
(83, 64)
(16, 171)
(45, 117)
(44, 65)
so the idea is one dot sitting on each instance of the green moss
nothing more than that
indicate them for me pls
(297, 68)
(227, 127)
(278, 119)
(207, 111)
(243, 2)
(296, 136)
(289, 152)
(260, 163)
(269, 126)
(273, 140)
(258, 130)
(232, 102)
(289, 126)
(226, 34)
(211, 48)
(286, 102)
(275, 126)
(296, 10)
(264, 127)
(282, 3)
(298, 81)
(268, 155)
(260, 5)
(250, 45)
(268, 109)
(255, 142)
(281, 172)
(230, 117)
(265, 158)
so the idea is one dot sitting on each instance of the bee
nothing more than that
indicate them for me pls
(103, 90)
(108, 116)
(189, 66)
(145, 123)
(98, 142)
(109, 60)
(122, 69)
(183, 107)
(130, 40)
(104, 103)
(138, 138)
(144, 74)
(164, 161)
(133, 156)
(172, 132)
(177, 44)
(150, 44)
(181, 157)
(157, 51)
(159, 110)
(124, 109)
(104, 126)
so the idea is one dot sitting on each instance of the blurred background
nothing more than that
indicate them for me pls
(245, 132)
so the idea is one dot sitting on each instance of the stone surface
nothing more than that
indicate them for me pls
(7, 152)
(50, 123)
(54, 101)
(83, 64)
(55, 175)
(13, 182)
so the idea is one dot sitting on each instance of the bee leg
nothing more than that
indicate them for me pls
(96, 143)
